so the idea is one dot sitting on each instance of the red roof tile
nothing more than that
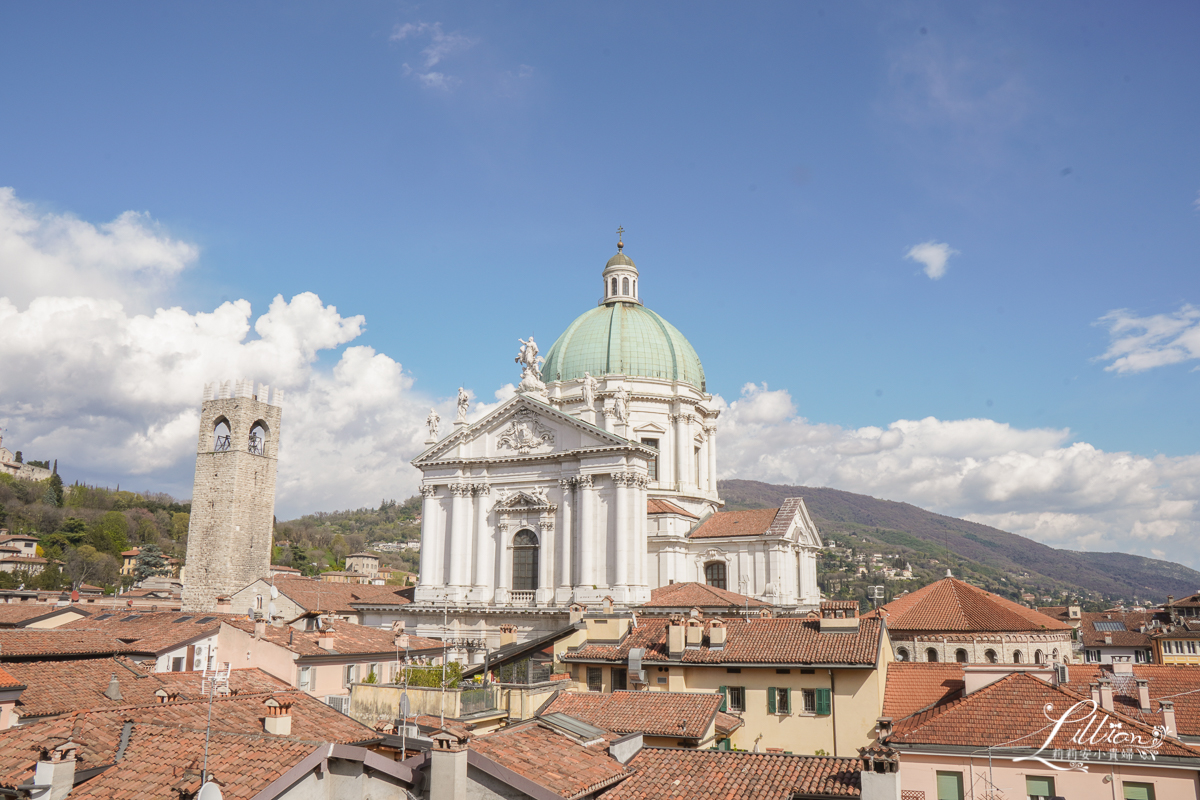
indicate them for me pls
(779, 640)
(348, 639)
(698, 595)
(669, 774)
(151, 631)
(1179, 684)
(654, 506)
(551, 759)
(914, 686)
(736, 523)
(8, 680)
(1132, 636)
(56, 642)
(954, 605)
(687, 715)
(315, 595)
(15, 615)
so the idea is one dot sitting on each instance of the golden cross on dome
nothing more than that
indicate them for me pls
(620, 236)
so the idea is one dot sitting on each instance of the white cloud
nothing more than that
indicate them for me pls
(1035, 482)
(1196, 202)
(1142, 343)
(440, 45)
(933, 255)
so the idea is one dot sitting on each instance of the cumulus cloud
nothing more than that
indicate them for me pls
(1142, 343)
(440, 45)
(933, 255)
(1035, 482)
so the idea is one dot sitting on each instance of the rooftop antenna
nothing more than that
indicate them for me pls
(875, 594)
(209, 684)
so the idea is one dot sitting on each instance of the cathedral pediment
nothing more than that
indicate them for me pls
(525, 500)
(521, 428)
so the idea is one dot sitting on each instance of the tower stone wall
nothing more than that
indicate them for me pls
(233, 499)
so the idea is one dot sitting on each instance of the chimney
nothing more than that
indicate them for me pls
(1168, 709)
(56, 770)
(448, 767)
(1074, 612)
(325, 639)
(1106, 696)
(508, 634)
(1143, 687)
(402, 641)
(577, 611)
(224, 604)
(716, 634)
(879, 774)
(695, 633)
(260, 628)
(278, 719)
(675, 636)
(1095, 690)
(113, 692)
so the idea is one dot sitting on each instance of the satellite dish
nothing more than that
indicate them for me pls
(405, 708)
(210, 791)
(274, 591)
(250, 612)
(271, 610)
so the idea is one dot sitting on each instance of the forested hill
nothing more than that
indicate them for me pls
(1000, 560)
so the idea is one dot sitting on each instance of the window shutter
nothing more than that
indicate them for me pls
(724, 697)
(824, 704)
(771, 700)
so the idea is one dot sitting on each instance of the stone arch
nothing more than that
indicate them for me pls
(1016, 657)
(931, 655)
(525, 555)
(990, 656)
(635, 287)
(960, 655)
(716, 574)
(902, 654)
(1038, 656)
(625, 286)
(221, 435)
(613, 293)
(1054, 655)
(257, 442)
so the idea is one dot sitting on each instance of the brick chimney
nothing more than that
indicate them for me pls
(56, 770)
(675, 636)
(278, 718)
(1095, 691)
(224, 604)
(260, 628)
(448, 767)
(508, 634)
(695, 633)
(716, 634)
(167, 694)
(1106, 695)
(879, 774)
(1143, 687)
(325, 639)
(1168, 709)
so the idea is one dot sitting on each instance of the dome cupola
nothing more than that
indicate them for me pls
(620, 277)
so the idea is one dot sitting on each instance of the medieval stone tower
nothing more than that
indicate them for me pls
(233, 502)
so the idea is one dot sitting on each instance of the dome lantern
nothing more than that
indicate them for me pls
(620, 277)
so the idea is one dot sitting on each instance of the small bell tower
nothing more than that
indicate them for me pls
(620, 277)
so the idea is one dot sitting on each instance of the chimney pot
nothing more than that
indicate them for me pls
(1168, 709)
(675, 637)
(1143, 690)
(113, 692)
(1106, 694)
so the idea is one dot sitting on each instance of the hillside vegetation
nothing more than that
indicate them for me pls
(999, 561)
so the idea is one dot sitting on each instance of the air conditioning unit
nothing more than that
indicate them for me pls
(636, 673)
(1060, 673)
(339, 702)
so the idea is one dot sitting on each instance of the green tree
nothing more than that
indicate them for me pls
(179, 524)
(86, 564)
(3, 514)
(150, 562)
(50, 579)
(56, 486)
(110, 533)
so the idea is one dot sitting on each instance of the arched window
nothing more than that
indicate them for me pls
(635, 287)
(525, 561)
(960, 656)
(1037, 656)
(931, 655)
(1054, 655)
(624, 285)
(902, 654)
(221, 440)
(614, 288)
(258, 602)
(1016, 656)
(991, 656)
(714, 574)
(258, 439)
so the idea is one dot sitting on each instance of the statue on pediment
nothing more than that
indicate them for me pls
(589, 390)
(621, 404)
(433, 421)
(464, 402)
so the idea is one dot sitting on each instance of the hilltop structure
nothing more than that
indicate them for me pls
(599, 480)
(233, 501)
(19, 469)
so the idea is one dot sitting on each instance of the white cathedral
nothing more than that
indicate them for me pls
(599, 480)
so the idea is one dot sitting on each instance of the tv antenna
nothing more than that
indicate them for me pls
(875, 594)
(210, 682)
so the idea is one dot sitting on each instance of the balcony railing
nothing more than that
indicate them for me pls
(521, 598)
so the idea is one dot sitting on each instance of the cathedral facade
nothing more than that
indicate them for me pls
(599, 480)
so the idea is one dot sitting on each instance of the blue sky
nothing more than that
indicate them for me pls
(454, 174)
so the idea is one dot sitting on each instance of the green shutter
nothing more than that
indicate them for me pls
(724, 697)
(950, 786)
(1138, 791)
(771, 700)
(824, 703)
(1039, 786)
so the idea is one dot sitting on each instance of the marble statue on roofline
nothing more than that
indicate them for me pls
(589, 390)
(531, 368)
(434, 422)
(464, 402)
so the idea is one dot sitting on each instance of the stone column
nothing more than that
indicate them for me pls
(610, 418)
(711, 430)
(503, 561)
(587, 537)
(430, 565)
(566, 532)
(485, 569)
(624, 532)
(545, 591)
(683, 449)
(460, 534)
(701, 467)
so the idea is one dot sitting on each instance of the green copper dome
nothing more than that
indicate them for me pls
(623, 339)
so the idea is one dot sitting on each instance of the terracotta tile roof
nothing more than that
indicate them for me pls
(698, 595)
(1130, 637)
(683, 714)
(1179, 684)
(914, 686)
(954, 605)
(654, 506)
(736, 523)
(1191, 601)
(315, 595)
(8, 680)
(14, 615)
(151, 631)
(551, 759)
(669, 774)
(348, 639)
(27, 643)
(728, 723)
(1014, 712)
(1186, 629)
(60, 687)
(160, 760)
(779, 640)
